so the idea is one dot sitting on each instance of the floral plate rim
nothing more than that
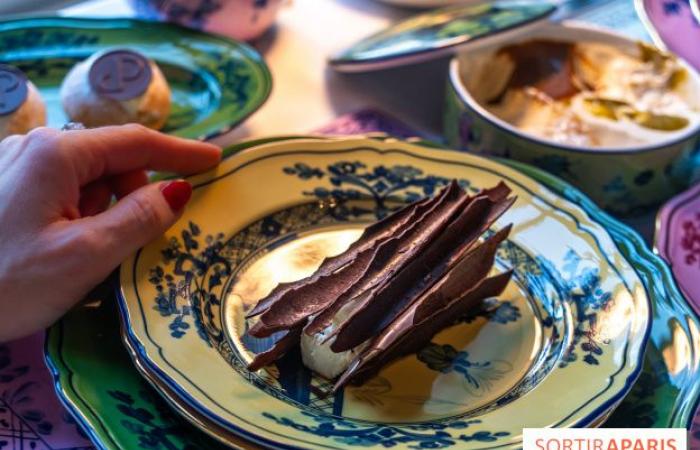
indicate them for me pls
(628, 382)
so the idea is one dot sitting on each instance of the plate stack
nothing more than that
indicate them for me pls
(563, 346)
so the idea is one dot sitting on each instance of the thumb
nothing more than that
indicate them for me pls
(137, 219)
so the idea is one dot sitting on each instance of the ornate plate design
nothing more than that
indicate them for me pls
(216, 82)
(440, 32)
(560, 310)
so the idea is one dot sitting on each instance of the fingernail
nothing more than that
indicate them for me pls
(176, 193)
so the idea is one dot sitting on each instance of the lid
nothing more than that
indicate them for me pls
(13, 89)
(120, 74)
(438, 33)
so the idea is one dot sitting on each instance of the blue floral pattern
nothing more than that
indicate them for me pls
(585, 292)
(152, 433)
(196, 270)
(387, 187)
(20, 423)
(674, 7)
(478, 376)
(420, 436)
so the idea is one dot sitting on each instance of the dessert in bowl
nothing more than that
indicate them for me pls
(617, 118)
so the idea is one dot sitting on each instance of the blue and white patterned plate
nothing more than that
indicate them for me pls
(560, 347)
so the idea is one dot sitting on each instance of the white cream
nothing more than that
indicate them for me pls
(645, 87)
(320, 358)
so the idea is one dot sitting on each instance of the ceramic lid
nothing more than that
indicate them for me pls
(438, 33)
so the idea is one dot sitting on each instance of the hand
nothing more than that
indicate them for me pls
(58, 236)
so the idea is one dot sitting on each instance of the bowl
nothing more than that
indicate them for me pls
(238, 19)
(624, 181)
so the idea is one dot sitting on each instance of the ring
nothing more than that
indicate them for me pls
(70, 126)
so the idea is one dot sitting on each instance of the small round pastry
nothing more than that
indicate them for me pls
(116, 87)
(21, 106)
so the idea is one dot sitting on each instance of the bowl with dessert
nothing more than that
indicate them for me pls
(617, 118)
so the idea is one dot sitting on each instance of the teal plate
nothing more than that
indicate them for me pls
(440, 32)
(215, 82)
(663, 396)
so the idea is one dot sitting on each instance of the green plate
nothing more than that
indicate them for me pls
(441, 32)
(215, 82)
(89, 361)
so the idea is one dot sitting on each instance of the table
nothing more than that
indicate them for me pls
(306, 95)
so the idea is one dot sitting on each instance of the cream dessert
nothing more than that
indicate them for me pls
(406, 278)
(585, 94)
(21, 106)
(116, 87)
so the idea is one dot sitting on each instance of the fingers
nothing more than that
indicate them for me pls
(131, 223)
(126, 183)
(94, 198)
(114, 150)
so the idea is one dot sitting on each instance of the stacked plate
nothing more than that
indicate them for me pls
(563, 346)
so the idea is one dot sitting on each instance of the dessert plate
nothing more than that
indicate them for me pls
(436, 33)
(97, 382)
(216, 82)
(662, 397)
(677, 240)
(183, 296)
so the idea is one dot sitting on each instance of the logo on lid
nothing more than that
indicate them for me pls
(120, 75)
(13, 89)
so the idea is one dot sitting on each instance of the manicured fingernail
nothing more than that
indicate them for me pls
(176, 193)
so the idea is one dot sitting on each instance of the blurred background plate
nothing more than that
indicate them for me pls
(97, 382)
(215, 82)
(428, 3)
(672, 26)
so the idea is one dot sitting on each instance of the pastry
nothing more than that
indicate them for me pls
(406, 278)
(115, 87)
(21, 106)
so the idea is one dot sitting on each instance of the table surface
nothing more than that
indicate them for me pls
(307, 94)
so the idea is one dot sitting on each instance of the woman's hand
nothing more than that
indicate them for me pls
(58, 239)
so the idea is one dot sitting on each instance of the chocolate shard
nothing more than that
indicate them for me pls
(299, 304)
(466, 274)
(380, 230)
(278, 349)
(375, 310)
(395, 253)
(406, 278)
(405, 335)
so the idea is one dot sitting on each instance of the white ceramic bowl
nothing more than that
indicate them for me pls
(622, 180)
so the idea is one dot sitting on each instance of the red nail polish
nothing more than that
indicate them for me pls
(176, 193)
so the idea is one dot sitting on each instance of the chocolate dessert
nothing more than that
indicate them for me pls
(406, 278)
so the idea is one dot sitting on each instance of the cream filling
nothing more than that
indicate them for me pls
(320, 358)
(615, 76)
